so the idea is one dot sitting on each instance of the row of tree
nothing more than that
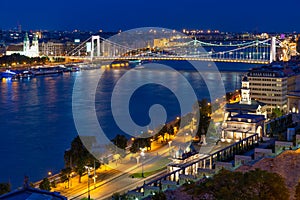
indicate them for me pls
(21, 59)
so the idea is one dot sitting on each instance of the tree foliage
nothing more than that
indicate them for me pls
(4, 188)
(17, 58)
(276, 112)
(78, 156)
(297, 191)
(159, 196)
(204, 116)
(45, 184)
(256, 184)
(140, 143)
(120, 141)
(65, 175)
(118, 196)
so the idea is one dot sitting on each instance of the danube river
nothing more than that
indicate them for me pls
(36, 115)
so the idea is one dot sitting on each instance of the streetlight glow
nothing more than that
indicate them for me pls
(142, 156)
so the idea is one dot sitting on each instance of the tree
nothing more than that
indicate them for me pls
(256, 184)
(297, 191)
(45, 184)
(4, 188)
(171, 130)
(276, 112)
(159, 196)
(65, 175)
(266, 185)
(118, 196)
(298, 46)
(140, 143)
(78, 156)
(204, 117)
(120, 141)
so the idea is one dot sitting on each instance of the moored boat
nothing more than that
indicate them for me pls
(46, 71)
(8, 74)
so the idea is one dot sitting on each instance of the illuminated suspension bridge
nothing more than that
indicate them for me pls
(257, 52)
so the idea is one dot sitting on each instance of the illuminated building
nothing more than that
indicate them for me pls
(270, 85)
(52, 49)
(246, 105)
(25, 49)
(294, 101)
(244, 118)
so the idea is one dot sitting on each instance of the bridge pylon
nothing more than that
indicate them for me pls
(273, 50)
(97, 39)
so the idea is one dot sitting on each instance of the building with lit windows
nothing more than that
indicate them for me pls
(294, 101)
(246, 105)
(271, 84)
(52, 48)
(244, 118)
(26, 49)
(241, 126)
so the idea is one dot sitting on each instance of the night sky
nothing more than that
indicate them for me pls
(112, 15)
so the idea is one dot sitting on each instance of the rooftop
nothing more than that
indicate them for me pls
(246, 118)
(294, 93)
(238, 107)
(32, 194)
(17, 47)
(273, 71)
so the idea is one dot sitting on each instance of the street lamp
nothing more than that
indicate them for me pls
(89, 173)
(170, 143)
(184, 139)
(142, 156)
(71, 176)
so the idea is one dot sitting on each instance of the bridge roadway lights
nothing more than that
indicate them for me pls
(172, 58)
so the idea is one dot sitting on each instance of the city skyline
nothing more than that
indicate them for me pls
(111, 16)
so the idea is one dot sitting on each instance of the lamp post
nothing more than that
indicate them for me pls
(71, 176)
(95, 176)
(170, 143)
(142, 156)
(89, 173)
(184, 138)
(49, 176)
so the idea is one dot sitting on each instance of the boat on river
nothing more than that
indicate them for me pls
(8, 74)
(46, 71)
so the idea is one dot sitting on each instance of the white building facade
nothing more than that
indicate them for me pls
(29, 50)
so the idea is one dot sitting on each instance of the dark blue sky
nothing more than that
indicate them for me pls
(111, 15)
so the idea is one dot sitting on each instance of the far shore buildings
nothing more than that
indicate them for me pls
(35, 49)
(26, 49)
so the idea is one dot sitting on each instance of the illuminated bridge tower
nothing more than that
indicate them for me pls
(273, 50)
(95, 38)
